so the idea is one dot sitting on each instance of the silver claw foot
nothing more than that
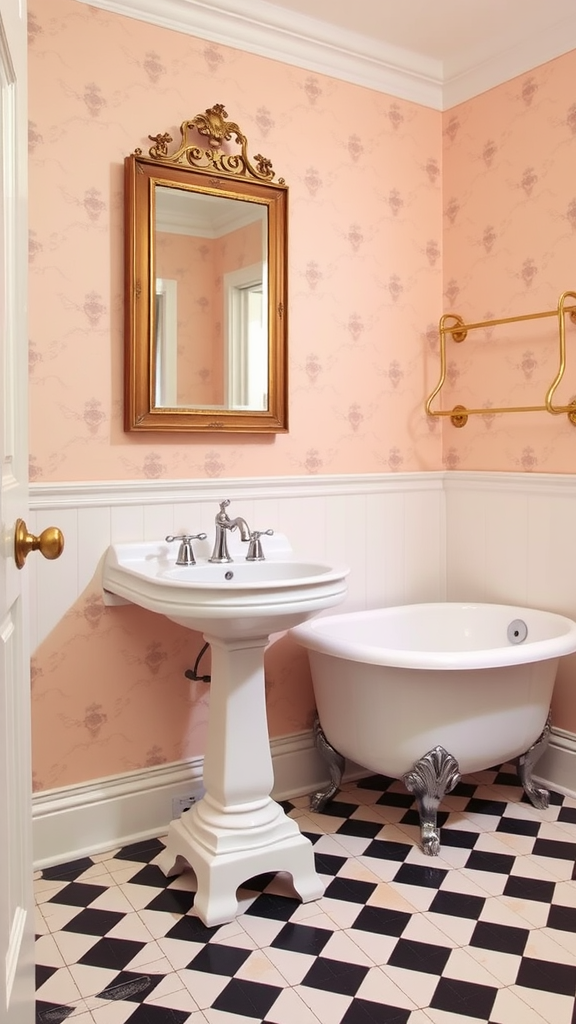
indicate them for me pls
(537, 795)
(434, 775)
(335, 763)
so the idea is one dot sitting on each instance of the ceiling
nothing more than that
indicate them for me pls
(436, 52)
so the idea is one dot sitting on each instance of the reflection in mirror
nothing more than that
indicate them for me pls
(206, 286)
(211, 313)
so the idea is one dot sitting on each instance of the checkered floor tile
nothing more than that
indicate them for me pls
(485, 932)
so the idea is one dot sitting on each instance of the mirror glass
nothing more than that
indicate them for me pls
(205, 288)
(211, 312)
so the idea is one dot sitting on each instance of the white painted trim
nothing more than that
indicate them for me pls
(269, 30)
(88, 818)
(509, 483)
(556, 769)
(527, 54)
(94, 494)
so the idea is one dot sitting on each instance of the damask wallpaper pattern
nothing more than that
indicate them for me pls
(397, 213)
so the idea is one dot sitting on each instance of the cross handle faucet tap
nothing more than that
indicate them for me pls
(185, 552)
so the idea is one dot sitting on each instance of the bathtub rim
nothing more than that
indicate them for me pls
(310, 636)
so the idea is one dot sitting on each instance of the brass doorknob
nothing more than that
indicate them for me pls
(50, 543)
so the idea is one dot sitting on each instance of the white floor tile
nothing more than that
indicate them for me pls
(328, 1007)
(510, 1009)
(378, 987)
(193, 992)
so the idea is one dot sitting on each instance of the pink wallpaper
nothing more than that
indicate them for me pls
(364, 264)
(369, 177)
(509, 199)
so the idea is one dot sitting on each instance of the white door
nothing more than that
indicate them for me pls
(16, 908)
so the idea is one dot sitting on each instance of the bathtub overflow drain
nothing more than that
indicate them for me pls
(517, 631)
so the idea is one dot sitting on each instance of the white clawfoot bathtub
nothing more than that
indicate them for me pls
(428, 692)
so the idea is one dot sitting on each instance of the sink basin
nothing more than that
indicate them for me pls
(233, 575)
(236, 830)
(237, 598)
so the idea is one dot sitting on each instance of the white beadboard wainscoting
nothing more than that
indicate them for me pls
(511, 538)
(406, 537)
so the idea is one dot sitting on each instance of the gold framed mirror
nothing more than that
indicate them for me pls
(205, 285)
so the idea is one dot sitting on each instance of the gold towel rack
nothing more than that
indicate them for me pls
(451, 323)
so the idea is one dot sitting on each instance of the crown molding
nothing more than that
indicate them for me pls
(267, 30)
(485, 71)
(270, 31)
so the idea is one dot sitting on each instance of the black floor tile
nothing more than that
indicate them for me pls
(351, 889)
(145, 1013)
(412, 817)
(43, 973)
(417, 874)
(328, 864)
(500, 937)
(248, 998)
(258, 883)
(69, 871)
(457, 904)
(93, 922)
(567, 814)
(364, 1011)
(360, 828)
(52, 1013)
(383, 849)
(499, 863)
(312, 837)
(335, 976)
(518, 826)
(464, 789)
(537, 889)
(131, 986)
(381, 921)
(458, 838)
(191, 929)
(547, 976)
(172, 901)
(562, 918)
(78, 894)
(216, 958)
(300, 938)
(144, 851)
(339, 809)
(555, 849)
(395, 799)
(276, 908)
(423, 957)
(114, 954)
(151, 875)
(464, 998)
(477, 806)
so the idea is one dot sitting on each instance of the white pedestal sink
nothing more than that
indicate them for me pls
(236, 830)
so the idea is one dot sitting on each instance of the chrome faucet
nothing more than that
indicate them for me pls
(223, 525)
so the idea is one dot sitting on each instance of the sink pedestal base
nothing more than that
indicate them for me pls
(236, 831)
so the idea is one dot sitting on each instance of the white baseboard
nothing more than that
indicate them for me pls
(556, 769)
(93, 817)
